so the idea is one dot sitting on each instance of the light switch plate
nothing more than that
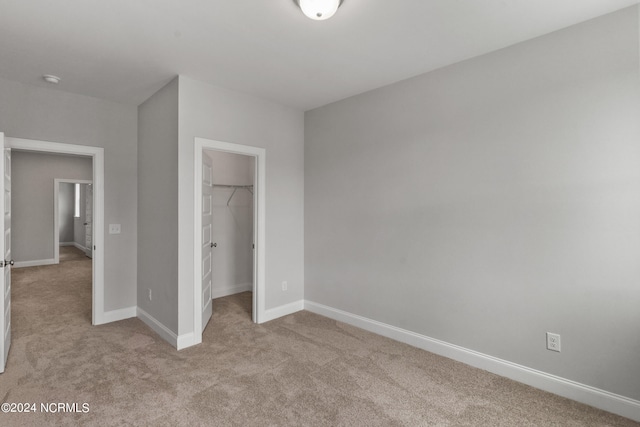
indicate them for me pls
(114, 228)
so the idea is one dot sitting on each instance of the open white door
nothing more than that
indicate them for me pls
(207, 241)
(5, 249)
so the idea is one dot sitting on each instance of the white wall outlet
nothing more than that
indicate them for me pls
(114, 228)
(284, 286)
(553, 342)
(149, 295)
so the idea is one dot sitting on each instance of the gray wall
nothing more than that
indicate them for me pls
(51, 115)
(491, 201)
(66, 210)
(211, 112)
(232, 224)
(32, 206)
(158, 205)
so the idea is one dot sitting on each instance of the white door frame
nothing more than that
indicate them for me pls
(56, 219)
(97, 154)
(259, 222)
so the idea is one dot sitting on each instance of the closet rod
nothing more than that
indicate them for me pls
(232, 186)
(249, 188)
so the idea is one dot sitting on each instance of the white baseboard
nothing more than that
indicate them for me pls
(188, 339)
(34, 263)
(79, 246)
(283, 310)
(185, 340)
(116, 315)
(66, 244)
(583, 393)
(164, 332)
(231, 290)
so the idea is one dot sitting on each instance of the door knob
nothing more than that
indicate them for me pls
(214, 245)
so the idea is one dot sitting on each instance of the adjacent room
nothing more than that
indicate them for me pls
(320, 212)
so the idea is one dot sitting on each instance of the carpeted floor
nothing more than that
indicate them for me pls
(71, 253)
(301, 370)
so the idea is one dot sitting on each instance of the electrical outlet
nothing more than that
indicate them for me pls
(150, 296)
(553, 342)
(114, 228)
(284, 286)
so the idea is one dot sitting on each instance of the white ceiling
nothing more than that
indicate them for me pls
(124, 50)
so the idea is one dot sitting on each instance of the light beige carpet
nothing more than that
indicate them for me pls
(301, 370)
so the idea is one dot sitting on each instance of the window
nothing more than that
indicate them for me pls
(77, 209)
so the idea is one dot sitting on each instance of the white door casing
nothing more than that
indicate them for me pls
(5, 250)
(88, 220)
(207, 242)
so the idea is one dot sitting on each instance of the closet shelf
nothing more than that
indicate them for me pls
(249, 188)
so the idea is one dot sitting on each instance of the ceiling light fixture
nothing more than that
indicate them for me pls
(51, 79)
(319, 10)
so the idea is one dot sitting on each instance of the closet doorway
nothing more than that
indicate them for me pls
(229, 227)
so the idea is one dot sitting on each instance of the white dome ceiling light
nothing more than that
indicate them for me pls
(51, 79)
(319, 10)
